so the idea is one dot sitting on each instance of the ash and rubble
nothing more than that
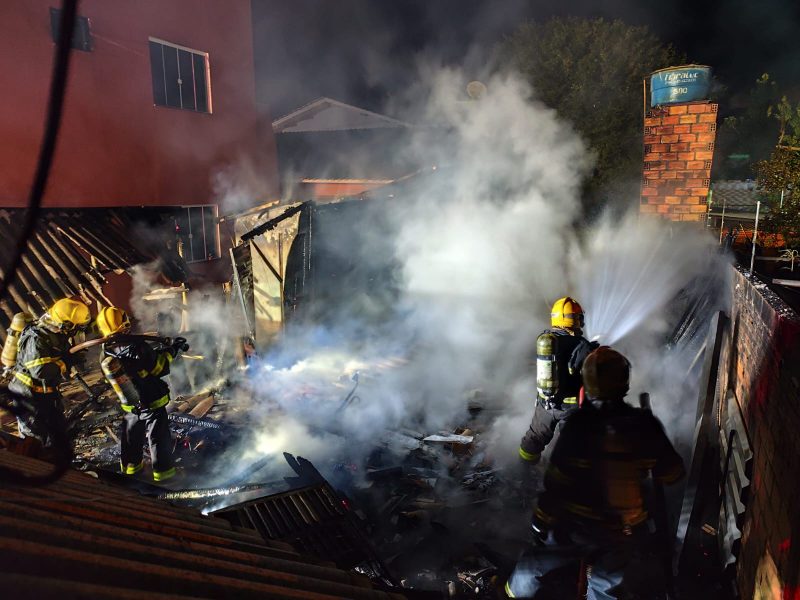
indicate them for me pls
(442, 515)
(439, 512)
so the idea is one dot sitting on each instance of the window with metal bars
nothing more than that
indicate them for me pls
(197, 228)
(180, 77)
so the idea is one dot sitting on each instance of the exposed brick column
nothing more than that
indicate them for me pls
(678, 149)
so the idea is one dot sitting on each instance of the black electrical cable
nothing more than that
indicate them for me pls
(55, 105)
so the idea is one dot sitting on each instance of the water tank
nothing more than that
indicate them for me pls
(680, 84)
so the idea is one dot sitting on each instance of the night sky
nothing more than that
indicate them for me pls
(365, 51)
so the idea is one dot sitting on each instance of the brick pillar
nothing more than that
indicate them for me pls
(678, 149)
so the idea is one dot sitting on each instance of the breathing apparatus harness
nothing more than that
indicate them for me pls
(125, 385)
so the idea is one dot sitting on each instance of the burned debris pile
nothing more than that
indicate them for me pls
(440, 513)
(426, 511)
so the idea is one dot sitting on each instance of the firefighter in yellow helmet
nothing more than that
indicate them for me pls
(594, 504)
(42, 362)
(560, 351)
(134, 367)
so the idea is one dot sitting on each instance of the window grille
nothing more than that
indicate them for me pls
(180, 77)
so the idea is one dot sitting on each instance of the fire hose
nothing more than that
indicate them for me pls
(119, 337)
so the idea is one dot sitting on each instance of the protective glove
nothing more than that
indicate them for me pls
(179, 345)
(75, 361)
(580, 353)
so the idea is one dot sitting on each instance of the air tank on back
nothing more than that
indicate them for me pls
(546, 365)
(18, 322)
(120, 382)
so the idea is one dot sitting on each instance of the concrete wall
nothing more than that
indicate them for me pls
(116, 148)
(678, 150)
(760, 371)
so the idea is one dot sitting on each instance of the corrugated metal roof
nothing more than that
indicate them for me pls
(68, 255)
(80, 537)
(313, 519)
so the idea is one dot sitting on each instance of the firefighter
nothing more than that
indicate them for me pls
(134, 367)
(594, 503)
(42, 362)
(560, 351)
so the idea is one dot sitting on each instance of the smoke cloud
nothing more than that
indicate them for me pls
(482, 244)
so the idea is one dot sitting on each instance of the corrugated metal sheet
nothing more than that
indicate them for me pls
(314, 521)
(79, 537)
(68, 255)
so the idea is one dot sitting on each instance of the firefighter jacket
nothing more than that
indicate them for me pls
(43, 361)
(144, 365)
(596, 477)
(569, 354)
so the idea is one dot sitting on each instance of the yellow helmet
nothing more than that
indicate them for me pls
(606, 374)
(68, 314)
(112, 320)
(566, 314)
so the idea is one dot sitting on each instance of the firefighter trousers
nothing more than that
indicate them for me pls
(40, 416)
(615, 570)
(542, 429)
(154, 426)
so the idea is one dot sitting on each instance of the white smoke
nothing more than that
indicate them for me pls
(243, 184)
(636, 277)
(628, 269)
(202, 316)
(485, 243)
(477, 268)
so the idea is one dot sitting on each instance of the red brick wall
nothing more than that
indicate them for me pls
(760, 368)
(678, 149)
(116, 148)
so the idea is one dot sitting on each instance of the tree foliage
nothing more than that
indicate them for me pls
(748, 137)
(591, 71)
(781, 174)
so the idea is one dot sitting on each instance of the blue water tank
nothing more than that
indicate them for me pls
(680, 84)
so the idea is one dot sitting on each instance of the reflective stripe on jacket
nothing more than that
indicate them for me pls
(599, 465)
(35, 385)
(41, 361)
(163, 401)
(145, 366)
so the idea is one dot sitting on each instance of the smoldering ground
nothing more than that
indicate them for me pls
(481, 246)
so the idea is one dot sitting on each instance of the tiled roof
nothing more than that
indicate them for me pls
(80, 537)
